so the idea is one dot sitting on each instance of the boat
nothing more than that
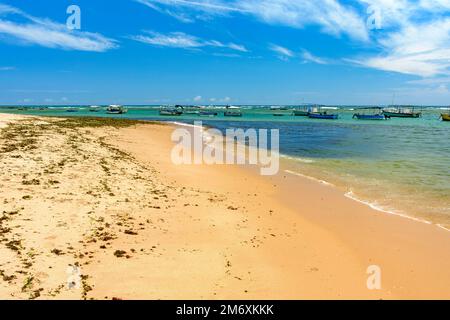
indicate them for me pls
(94, 108)
(171, 111)
(401, 112)
(72, 110)
(317, 113)
(304, 111)
(116, 109)
(234, 112)
(446, 115)
(366, 115)
(323, 115)
(300, 113)
(207, 113)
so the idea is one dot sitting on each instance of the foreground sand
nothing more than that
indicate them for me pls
(109, 200)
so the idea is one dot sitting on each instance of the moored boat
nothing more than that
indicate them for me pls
(365, 114)
(116, 109)
(94, 108)
(323, 115)
(170, 112)
(207, 113)
(445, 116)
(232, 112)
(317, 113)
(401, 112)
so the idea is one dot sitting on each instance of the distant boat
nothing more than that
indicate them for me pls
(234, 113)
(300, 113)
(170, 112)
(116, 109)
(278, 115)
(445, 116)
(319, 114)
(72, 110)
(304, 111)
(207, 113)
(94, 108)
(278, 108)
(365, 115)
(323, 115)
(401, 112)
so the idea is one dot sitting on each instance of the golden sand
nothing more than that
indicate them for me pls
(109, 200)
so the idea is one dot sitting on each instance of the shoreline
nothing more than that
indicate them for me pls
(349, 194)
(240, 235)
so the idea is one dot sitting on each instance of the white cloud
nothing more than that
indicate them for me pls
(198, 98)
(283, 53)
(183, 40)
(309, 57)
(415, 38)
(43, 32)
(333, 17)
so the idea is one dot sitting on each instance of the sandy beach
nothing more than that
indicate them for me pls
(103, 197)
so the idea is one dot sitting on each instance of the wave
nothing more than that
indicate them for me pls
(377, 207)
(298, 159)
(309, 178)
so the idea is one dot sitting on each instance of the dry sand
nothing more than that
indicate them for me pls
(109, 200)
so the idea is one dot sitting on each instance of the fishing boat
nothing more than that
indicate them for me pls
(323, 115)
(170, 112)
(446, 115)
(372, 113)
(401, 112)
(232, 112)
(72, 110)
(94, 108)
(116, 109)
(319, 114)
(207, 113)
(304, 111)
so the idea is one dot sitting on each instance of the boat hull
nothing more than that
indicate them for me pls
(207, 114)
(232, 114)
(300, 113)
(323, 116)
(369, 116)
(402, 115)
(169, 113)
(445, 116)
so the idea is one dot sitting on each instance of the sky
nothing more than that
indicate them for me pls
(151, 52)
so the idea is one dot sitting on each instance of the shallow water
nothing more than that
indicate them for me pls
(399, 165)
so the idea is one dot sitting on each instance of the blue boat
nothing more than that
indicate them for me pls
(323, 115)
(369, 116)
(364, 115)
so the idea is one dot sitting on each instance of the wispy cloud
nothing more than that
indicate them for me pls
(7, 68)
(331, 16)
(183, 40)
(22, 28)
(415, 38)
(309, 57)
(282, 52)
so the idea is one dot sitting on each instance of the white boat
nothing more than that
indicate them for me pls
(116, 109)
(94, 108)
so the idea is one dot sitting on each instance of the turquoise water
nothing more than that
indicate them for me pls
(398, 165)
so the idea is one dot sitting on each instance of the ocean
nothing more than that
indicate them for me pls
(400, 166)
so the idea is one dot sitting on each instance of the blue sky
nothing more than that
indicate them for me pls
(226, 52)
